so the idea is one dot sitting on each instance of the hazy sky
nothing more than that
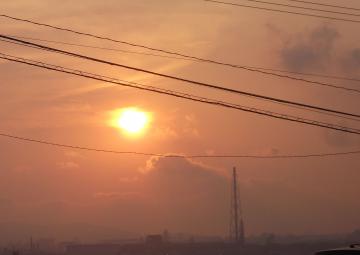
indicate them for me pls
(48, 191)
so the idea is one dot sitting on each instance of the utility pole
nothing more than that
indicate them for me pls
(237, 233)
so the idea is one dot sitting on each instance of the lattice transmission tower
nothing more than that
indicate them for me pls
(237, 232)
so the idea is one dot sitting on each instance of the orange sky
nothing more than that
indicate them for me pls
(60, 189)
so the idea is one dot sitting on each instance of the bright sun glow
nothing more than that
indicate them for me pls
(132, 120)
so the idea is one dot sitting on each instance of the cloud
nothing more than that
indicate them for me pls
(192, 196)
(338, 139)
(176, 194)
(68, 165)
(72, 154)
(179, 174)
(351, 62)
(191, 125)
(311, 51)
(116, 195)
(177, 125)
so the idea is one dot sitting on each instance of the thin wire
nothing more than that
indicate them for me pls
(181, 95)
(181, 58)
(304, 8)
(178, 78)
(327, 5)
(283, 11)
(292, 106)
(96, 47)
(312, 74)
(174, 155)
(259, 70)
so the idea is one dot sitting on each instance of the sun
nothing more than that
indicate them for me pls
(132, 121)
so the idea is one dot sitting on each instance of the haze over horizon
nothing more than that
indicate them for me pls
(60, 189)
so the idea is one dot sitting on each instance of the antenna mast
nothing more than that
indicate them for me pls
(237, 234)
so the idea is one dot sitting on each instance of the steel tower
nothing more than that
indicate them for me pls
(237, 232)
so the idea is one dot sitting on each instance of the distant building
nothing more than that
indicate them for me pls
(166, 236)
(154, 239)
(93, 249)
(46, 244)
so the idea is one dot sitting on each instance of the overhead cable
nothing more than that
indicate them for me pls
(212, 86)
(168, 155)
(258, 70)
(327, 5)
(303, 7)
(181, 95)
(327, 76)
(292, 106)
(283, 11)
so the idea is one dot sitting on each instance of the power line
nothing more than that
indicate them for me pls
(43, 47)
(182, 55)
(181, 95)
(97, 47)
(311, 74)
(283, 11)
(317, 155)
(327, 5)
(281, 103)
(303, 8)
(284, 104)
(226, 89)
(292, 106)
(186, 59)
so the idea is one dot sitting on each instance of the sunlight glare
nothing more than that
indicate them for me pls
(132, 120)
